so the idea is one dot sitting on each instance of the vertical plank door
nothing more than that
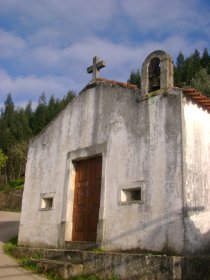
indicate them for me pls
(87, 199)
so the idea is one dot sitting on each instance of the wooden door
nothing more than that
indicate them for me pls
(87, 199)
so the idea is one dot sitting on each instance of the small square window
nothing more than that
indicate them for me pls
(47, 203)
(131, 195)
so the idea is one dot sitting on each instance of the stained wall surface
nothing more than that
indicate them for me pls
(144, 149)
(196, 177)
(141, 146)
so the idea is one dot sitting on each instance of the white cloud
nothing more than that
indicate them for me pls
(10, 44)
(72, 18)
(30, 87)
(167, 16)
(71, 63)
(43, 57)
(51, 43)
(121, 58)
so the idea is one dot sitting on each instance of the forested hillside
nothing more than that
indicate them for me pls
(17, 126)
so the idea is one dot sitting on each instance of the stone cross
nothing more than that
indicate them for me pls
(97, 65)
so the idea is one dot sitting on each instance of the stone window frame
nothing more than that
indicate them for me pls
(132, 186)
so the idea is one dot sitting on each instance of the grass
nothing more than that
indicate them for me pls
(29, 265)
(8, 188)
(13, 185)
(98, 250)
(10, 245)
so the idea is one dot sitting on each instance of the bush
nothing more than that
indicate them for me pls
(16, 183)
(10, 245)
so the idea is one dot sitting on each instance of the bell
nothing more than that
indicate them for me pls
(155, 83)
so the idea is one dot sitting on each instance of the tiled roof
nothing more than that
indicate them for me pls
(112, 82)
(197, 97)
(109, 82)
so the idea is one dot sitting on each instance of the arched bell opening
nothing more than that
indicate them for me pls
(154, 74)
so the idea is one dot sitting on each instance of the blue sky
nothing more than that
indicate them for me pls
(46, 45)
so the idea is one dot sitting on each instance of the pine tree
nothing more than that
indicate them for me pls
(20, 125)
(17, 125)
(135, 78)
(196, 61)
(66, 100)
(179, 70)
(201, 81)
(40, 116)
(53, 108)
(205, 60)
(8, 111)
(189, 69)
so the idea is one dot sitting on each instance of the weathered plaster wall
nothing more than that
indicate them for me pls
(144, 149)
(197, 180)
(82, 125)
(141, 146)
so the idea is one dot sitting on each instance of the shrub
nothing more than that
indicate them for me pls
(10, 245)
(17, 182)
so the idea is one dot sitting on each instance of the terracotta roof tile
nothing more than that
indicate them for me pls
(112, 82)
(109, 82)
(197, 97)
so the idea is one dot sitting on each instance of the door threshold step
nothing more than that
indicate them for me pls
(81, 245)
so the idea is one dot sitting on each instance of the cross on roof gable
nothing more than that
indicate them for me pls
(97, 65)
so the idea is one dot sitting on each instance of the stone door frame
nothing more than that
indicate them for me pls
(69, 186)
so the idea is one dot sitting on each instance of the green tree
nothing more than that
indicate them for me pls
(201, 81)
(8, 111)
(197, 59)
(17, 159)
(17, 125)
(40, 116)
(191, 66)
(179, 70)
(135, 78)
(53, 108)
(205, 60)
(20, 125)
(66, 100)
(28, 111)
(7, 139)
(3, 160)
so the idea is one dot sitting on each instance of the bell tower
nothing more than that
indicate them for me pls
(157, 72)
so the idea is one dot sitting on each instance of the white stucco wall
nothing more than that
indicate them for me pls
(82, 125)
(141, 146)
(197, 180)
(145, 146)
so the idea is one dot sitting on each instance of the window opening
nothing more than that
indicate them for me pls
(47, 203)
(131, 195)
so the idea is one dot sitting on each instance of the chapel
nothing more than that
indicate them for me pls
(123, 168)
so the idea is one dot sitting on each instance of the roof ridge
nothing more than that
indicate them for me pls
(113, 82)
